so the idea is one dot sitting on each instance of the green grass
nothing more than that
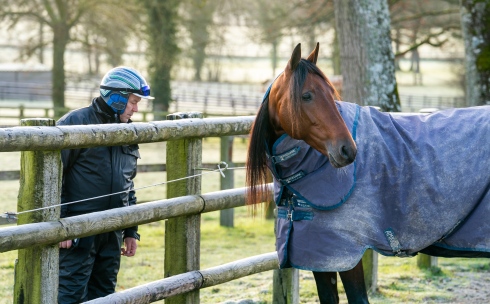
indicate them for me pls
(399, 280)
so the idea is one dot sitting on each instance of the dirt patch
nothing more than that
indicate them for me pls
(475, 289)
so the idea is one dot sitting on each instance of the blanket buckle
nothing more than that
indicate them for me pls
(395, 244)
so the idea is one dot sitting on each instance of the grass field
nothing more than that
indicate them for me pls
(399, 280)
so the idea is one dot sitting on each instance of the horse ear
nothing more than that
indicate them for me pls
(314, 55)
(295, 58)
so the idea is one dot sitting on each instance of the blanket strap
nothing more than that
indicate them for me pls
(287, 209)
(295, 215)
(395, 244)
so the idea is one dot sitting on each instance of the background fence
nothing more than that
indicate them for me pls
(24, 100)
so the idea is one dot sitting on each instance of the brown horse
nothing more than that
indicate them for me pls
(404, 178)
(289, 102)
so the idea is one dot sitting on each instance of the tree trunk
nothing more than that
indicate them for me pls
(274, 59)
(367, 60)
(200, 19)
(335, 52)
(60, 40)
(311, 35)
(162, 51)
(397, 49)
(475, 22)
(41, 43)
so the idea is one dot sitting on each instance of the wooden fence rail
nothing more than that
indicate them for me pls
(45, 233)
(190, 281)
(86, 136)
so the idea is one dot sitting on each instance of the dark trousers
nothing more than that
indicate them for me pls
(89, 270)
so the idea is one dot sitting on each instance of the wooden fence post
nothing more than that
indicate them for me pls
(426, 261)
(36, 272)
(285, 282)
(21, 111)
(227, 182)
(183, 234)
(370, 267)
(270, 206)
(285, 286)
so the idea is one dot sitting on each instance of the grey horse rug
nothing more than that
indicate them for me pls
(417, 181)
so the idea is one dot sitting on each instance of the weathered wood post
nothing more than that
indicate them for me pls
(270, 206)
(285, 282)
(227, 182)
(36, 271)
(426, 261)
(370, 267)
(285, 286)
(183, 234)
(21, 111)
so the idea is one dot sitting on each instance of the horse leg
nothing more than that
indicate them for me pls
(354, 285)
(326, 285)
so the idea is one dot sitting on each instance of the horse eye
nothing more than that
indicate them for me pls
(306, 96)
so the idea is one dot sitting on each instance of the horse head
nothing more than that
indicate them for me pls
(302, 104)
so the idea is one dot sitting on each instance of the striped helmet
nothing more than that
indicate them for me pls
(118, 83)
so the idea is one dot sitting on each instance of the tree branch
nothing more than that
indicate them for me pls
(424, 14)
(427, 40)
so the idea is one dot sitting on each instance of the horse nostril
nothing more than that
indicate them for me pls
(348, 153)
(344, 152)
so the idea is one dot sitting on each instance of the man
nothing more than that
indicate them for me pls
(102, 177)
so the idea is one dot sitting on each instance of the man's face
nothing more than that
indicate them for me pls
(131, 108)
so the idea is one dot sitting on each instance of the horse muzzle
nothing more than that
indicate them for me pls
(342, 155)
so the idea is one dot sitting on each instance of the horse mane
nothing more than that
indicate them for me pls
(262, 131)
(256, 171)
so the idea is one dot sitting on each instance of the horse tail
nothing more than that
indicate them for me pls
(257, 171)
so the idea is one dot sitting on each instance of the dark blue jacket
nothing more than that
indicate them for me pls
(93, 172)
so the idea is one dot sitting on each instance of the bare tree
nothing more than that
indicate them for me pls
(268, 21)
(422, 22)
(107, 31)
(367, 60)
(475, 20)
(162, 50)
(313, 16)
(308, 16)
(60, 17)
(198, 19)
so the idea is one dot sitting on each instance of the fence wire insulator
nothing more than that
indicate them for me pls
(9, 216)
(222, 166)
(221, 169)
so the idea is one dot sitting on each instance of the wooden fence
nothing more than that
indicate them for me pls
(38, 233)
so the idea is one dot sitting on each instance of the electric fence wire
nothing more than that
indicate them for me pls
(222, 166)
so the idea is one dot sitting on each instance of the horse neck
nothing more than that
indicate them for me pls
(277, 130)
